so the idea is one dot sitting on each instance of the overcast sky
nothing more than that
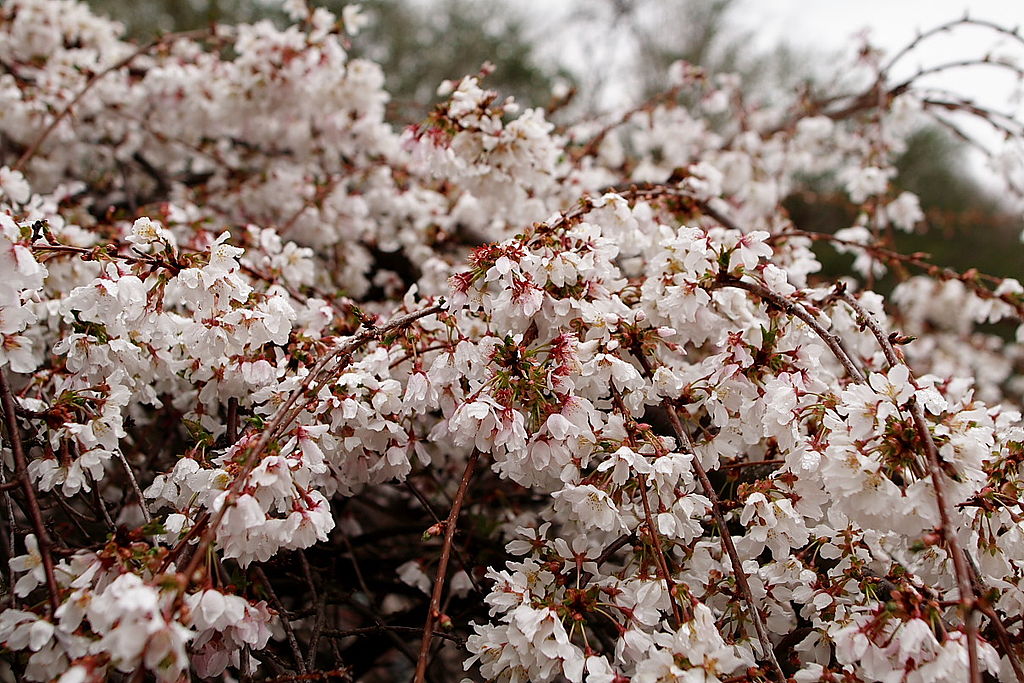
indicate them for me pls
(816, 29)
(828, 25)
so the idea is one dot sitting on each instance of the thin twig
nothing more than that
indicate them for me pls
(321, 606)
(433, 612)
(340, 674)
(659, 552)
(232, 427)
(364, 630)
(726, 538)
(967, 601)
(833, 341)
(96, 78)
(369, 611)
(652, 529)
(458, 553)
(289, 634)
(8, 536)
(282, 418)
(21, 472)
(135, 485)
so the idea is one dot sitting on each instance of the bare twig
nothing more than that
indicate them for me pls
(794, 309)
(21, 472)
(364, 630)
(93, 80)
(135, 486)
(321, 606)
(289, 634)
(368, 611)
(458, 553)
(433, 611)
(652, 529)
(283, 417)
(232, 426)
(336, 674)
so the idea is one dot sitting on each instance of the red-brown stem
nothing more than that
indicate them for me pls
(792, 308)
(21, 472)
(434, 611)
(1004, 638)
(716, 513)
(282, 418)
(652, 529)
(321, 607)
(750, 463)
(458, 554)
(972, 279)
(339, 674)
(967, 601)
(135, 486)
(180, 546)
(232, 427)
(670, 584)
(348, 633)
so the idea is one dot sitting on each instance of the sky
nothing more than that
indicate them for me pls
(828, 25)
(590, 36)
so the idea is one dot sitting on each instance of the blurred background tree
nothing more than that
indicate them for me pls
(417, 43)
(628, 48)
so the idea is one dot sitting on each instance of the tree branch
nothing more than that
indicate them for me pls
(716, 513)
(433, 612)
(967, 602)
(21, 472)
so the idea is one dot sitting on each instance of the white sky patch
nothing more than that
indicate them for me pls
(831, 25)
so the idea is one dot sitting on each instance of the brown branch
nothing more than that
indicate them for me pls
(716, 513)
(285, 623)
(341, 674)
(365, 630)
(583, 577)
(972, 279)
(21, 473)
(283, 417)
(321, 607)
(433, 612)
(232, 426)
(652, 530)
(458, 553)
(369, 610)
(967, 602)
(833, 341)
(946, 27)
(135, 485)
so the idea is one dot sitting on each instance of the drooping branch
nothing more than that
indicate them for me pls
(652, 528)
(968, 600)
(287, 412)
(434, 610)
(33, 147)
(135, 486)
(21, 474)
(716, 514)
(832, 341)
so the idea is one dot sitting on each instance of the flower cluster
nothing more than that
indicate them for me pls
(289, 392)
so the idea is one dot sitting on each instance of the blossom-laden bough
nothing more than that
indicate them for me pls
(291, 395)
